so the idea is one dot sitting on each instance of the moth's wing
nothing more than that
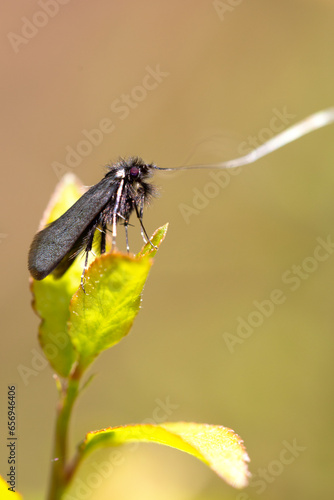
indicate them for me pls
(77, 248)
(51, 245)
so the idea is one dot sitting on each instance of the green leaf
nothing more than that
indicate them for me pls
(157, 238)
(217, 446)
(52, 296)
(5, 494)
(103, 313)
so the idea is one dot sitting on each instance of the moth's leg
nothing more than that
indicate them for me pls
(140, 217)
(103, 238)
(114, 212)
(126, 224)
(90, 238)
(143, 231)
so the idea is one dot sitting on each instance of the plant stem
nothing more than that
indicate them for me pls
(59, 476)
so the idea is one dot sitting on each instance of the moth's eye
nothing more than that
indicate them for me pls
(134, 172)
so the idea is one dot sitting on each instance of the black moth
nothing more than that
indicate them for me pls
(123, 190)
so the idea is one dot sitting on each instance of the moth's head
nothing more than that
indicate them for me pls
(132, 169)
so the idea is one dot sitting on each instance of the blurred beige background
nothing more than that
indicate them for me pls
(224, 74)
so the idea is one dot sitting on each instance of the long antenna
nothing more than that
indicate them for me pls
(304, 127)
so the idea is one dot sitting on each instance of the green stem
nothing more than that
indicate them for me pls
(59, 474)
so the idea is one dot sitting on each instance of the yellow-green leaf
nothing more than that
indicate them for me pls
(218, 447)
(5, 493)
(52, 296)
(157, 238)
(103, 313)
